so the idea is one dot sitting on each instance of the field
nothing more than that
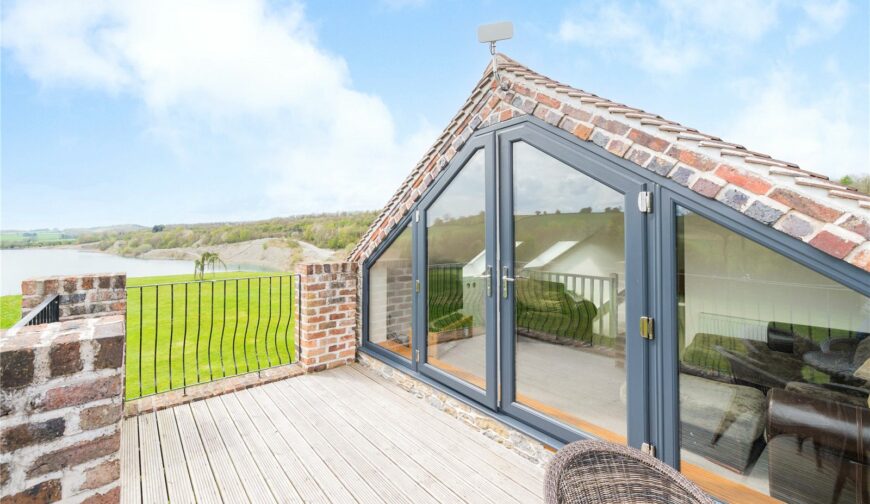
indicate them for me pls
(236, 323)
(10, 310)
(12, 239)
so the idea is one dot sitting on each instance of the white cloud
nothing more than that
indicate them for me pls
(237, 71)
(670, 37)
(823, 19)
(821, 131)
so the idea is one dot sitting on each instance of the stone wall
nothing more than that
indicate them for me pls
(511, 438)
(80, 296)
(326, 315)
(62, 389)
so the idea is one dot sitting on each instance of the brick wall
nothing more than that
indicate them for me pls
(326, 315)
(80, 296)
(62, 389)
(400, 293)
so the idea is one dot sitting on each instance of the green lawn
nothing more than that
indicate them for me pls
(234, 324)
(10, 310)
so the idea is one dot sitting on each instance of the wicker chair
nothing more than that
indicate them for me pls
(597, 472)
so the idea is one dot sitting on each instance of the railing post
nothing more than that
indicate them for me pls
(326, 320)
(614, 304)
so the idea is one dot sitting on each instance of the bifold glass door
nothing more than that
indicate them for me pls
(571, 235)
(458, 243)
(526, 295)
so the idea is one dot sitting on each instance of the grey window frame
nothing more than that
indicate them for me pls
(382, 247)
(661, 370)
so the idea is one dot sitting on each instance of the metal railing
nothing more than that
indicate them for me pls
(186, 333)
(46, 312)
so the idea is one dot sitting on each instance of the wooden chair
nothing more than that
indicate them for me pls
(598, 472)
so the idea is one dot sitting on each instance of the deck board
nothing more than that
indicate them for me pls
(151, 460)
(131, 484)
(175, 465)
(343, 435)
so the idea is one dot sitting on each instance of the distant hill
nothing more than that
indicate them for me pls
(333, 231)
(120, 228)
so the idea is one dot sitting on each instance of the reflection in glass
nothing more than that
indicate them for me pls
(391, 293)
(774, 370)
(569, 261)
(456, 253)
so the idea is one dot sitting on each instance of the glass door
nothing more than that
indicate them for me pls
(458, 252)
(571, 291)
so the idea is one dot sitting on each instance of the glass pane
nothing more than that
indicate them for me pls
(570, 294)
(774, 369)
(456, 252)
(391, 292)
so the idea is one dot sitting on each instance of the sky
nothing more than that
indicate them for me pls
(158, 111)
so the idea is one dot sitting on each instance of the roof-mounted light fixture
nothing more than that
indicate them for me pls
(492, 33)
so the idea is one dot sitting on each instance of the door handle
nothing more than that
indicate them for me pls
(504, 282)
(488, 277)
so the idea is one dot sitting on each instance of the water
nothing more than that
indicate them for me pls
(19, 264)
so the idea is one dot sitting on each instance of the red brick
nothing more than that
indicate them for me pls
(87, 282)
(100, 416)
(102, 474)
(16, 368)
(50, 286)
(647, 140)
(70, 284)
(832, 244)
(47, 491)
(745, 180)
(73, 395)
(111, 353)
(65, 358)
(610, 125)
(111, 497)
(692, 159)
(75, 454)
(861, 260)
(548, 100)
(857, 225)
(618, 147)
(706, 187)
(28, 288)
(28, 434)
(805, 205)
(576, 113)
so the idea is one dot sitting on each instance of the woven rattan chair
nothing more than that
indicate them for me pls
(597, 472)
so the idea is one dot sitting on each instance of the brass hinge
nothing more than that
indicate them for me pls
(648, 449)
(644, 202)
(417, 285)
(646, 328)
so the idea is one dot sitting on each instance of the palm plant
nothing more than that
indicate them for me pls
(208, 259)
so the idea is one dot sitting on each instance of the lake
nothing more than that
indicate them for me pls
(19, 264)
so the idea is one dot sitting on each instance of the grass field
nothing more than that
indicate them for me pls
(235, 324)
(10, 310)
(13, 238)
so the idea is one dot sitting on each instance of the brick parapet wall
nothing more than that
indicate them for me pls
(62, 389)
(326, 315)
(80, 295)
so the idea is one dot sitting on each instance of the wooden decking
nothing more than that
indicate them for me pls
(344, 435)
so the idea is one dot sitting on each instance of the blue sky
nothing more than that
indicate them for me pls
(156, 111)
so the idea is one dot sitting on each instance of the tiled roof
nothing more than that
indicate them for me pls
(799, 202)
